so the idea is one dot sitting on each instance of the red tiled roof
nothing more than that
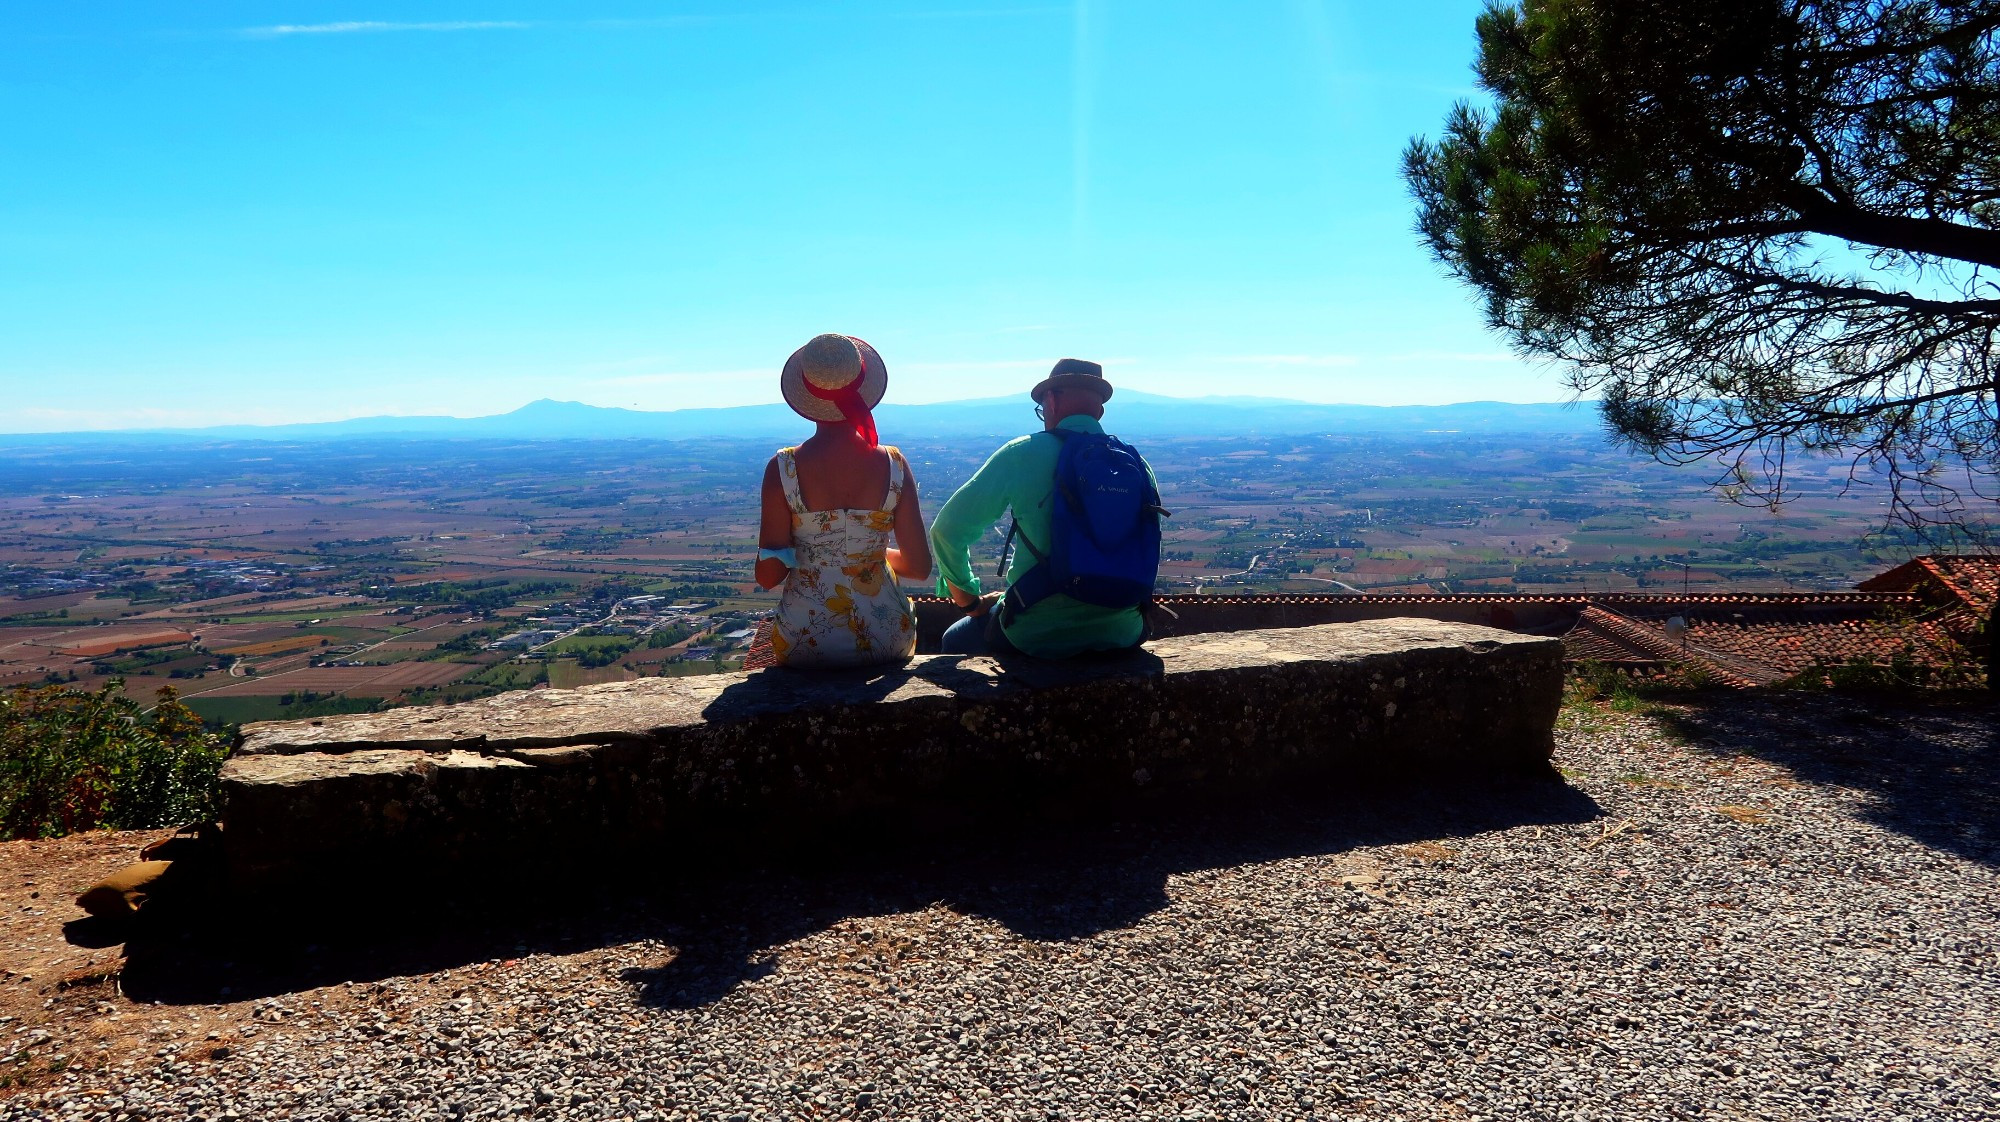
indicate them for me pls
(1585, 643)
(1975, 579)
(1605, 627)
(1970, 579)
(1746, 644)
(1902, 578)
(761, 656)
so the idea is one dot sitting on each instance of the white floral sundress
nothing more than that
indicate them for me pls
(841, 605)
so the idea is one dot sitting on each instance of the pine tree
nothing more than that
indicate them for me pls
(1754, 227)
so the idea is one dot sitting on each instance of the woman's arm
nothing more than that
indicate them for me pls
(775, 532)
(911, 556)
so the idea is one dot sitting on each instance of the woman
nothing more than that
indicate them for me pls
(830, 507)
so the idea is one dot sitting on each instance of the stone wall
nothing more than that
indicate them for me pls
(693, 766)
(1201, 615)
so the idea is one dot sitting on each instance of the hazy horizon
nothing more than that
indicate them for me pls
(996, 412)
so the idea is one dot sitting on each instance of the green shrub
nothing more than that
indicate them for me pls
(1590, 682)
(1904, 671)
(74, 760)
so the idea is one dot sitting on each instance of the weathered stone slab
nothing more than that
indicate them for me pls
(940, 743)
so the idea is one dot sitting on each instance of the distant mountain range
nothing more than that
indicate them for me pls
(1131, 413)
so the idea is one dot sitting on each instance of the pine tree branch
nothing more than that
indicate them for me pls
(1880, 298)
(1929, 236)
(1964, 32)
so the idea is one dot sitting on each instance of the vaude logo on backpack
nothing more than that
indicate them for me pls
(1104, 529)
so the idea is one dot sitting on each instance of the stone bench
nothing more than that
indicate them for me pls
(697, 764)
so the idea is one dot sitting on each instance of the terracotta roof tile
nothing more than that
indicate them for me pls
(1603, 626)
(1975, 580)
(1761, 644)
(1587, 644)
(1971, 580)
(761, 656)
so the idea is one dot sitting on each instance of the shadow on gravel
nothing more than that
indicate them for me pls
(1931, 767)
(1046, 882)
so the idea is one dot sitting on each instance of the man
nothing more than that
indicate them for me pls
(1021, 478)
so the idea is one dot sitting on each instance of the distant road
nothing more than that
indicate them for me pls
(1335, 583)
(236, 668)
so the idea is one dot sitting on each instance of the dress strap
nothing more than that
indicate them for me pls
(788, 477)
(895, 479)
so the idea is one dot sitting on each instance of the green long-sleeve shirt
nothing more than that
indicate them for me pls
(1021, 477)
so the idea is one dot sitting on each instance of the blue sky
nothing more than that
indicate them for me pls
(262, 212)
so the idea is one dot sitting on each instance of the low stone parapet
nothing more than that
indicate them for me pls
(1183, 614)
(784, 757)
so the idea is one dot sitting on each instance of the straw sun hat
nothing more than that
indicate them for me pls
(835, 366)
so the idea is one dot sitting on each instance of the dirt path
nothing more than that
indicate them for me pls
(60, 1001)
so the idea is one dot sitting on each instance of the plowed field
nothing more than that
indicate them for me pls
(275, 646)
(421, 673)
(360, 681)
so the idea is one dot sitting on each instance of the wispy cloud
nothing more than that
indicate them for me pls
(1290, 360)
(45, 419)
(958, 367)
(1323, 360)
(1453, 356)
(351, 27)
(683, 377)
(634, 362)
(360, 27)
(982, 13)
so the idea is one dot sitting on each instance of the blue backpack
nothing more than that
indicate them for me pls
(1104, 530)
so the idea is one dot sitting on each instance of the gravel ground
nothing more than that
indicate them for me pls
(1756, 908)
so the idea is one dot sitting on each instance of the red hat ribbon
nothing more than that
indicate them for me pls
(853, 407)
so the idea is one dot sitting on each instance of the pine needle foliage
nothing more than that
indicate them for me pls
(1754, 228)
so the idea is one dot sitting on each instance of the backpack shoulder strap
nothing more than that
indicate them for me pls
(1038, 582)
(1014, 524)
(1035, 586)
(1152, 488)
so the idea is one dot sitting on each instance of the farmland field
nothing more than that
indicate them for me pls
(378, 572)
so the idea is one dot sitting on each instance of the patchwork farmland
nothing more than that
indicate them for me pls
(274, 580)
